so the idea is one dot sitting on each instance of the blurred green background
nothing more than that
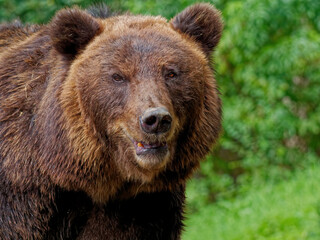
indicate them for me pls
(262, 180)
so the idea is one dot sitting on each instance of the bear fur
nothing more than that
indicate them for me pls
(72, 95)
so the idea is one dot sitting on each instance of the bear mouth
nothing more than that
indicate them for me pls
(143, 148)
(151, 154)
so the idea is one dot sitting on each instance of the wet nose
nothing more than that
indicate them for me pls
(156, 120)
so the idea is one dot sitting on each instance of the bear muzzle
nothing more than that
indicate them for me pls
(152, 145)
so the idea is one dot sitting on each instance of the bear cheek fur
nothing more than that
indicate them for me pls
(85, 121)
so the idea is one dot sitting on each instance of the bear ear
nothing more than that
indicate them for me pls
(71, 30)
(203, 23)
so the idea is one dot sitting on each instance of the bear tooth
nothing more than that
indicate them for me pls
(140, 145)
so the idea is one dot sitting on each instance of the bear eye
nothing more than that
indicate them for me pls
(117, 78)
(171, 75)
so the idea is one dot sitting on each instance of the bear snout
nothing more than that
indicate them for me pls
(155, 120)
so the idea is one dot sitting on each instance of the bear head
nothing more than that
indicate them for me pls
(140, 93)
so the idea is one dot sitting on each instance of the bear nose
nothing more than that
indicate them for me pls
(156, 120)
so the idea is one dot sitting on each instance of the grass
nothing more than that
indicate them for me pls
(286, 210)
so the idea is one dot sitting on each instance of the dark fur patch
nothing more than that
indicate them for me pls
(203, 23)
(71, 213)
(139, 218)
(71, 30)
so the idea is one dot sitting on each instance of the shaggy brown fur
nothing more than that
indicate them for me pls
(72, 96)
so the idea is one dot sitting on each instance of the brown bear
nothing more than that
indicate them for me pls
(102, 120)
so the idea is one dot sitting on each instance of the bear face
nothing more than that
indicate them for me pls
(142, 74)
(141, 89)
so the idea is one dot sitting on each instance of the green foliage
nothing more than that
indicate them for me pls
(286, 210)
(31, 11)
